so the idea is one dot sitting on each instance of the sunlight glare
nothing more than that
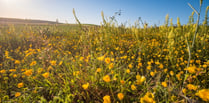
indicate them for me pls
(10, 1)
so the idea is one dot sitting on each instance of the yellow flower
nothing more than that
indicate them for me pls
(12, 70)
(75, 73)
(122, 82)
(98, 70)
(171, 73)
(33, 63)
(191, 87)
(152, 74)
(130, 66)
(120, 96)
(203, 94)
(53, 62)
(106, 99)
(20, 85)
(161, 66)
(45, 75)
(85, 86)
(184, 91)
(133, 87)
(140, 79)
(107, 60)
(128, 71)
(15, 75)
(191, 69)
(106, 78)
(149, 67)
(17, 94)
(81, 58)
(60, 63)
(28, 72)
(148, 98)
(17, 62)
(101, 58)
(165, 70)
(111, 66)
(164, 84)
(2, 71)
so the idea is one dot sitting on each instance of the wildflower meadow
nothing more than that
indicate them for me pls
(108, 63)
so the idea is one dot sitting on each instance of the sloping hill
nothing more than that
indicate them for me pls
(24, 21)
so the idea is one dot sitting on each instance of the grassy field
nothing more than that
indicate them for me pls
(107, 63)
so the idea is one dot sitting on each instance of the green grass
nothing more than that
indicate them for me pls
(61, 63)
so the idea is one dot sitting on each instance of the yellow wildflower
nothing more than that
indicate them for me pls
(101, 58)
(122, 82)
(60, 63)
(12, 70)
(128, 71)
(106, 78)
(152, 74)
(140, 79)
(164, 84)
(133, 87)
(111, 66)
(15, 75)
(85, 86)
(130, 66)
(33, 63)
(20, 85)
(2, 71)
(191, 87)
(120, 96)
(161, 66)
(98, 70)
(191, 69)
(106, 99)
(45, 75)
(28, 72)
(53, 62)
(149, 67)
(148, 98)
(171, 73)
(184, 91)
(17, 94)
(203, 94)
(107, 60)
(17, 62)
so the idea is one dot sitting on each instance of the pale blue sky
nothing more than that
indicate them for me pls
(89, 11)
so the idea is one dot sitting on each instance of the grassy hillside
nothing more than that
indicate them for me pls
(58, 63)
(24, 21)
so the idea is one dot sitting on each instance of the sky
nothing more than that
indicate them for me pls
(89, 11)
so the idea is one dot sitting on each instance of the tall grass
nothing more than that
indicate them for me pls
(57, 63)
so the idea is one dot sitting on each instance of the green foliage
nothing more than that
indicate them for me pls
(62, 63)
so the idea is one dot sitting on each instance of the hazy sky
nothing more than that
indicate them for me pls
(89, 11)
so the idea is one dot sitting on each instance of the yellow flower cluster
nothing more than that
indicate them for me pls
(106, 99)
(191, 87)
(85, 86)
(20, 85)
(45, 75)
(140, 79)
(28, 72)
(203, 94)
(148, 98)
(106, 78)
